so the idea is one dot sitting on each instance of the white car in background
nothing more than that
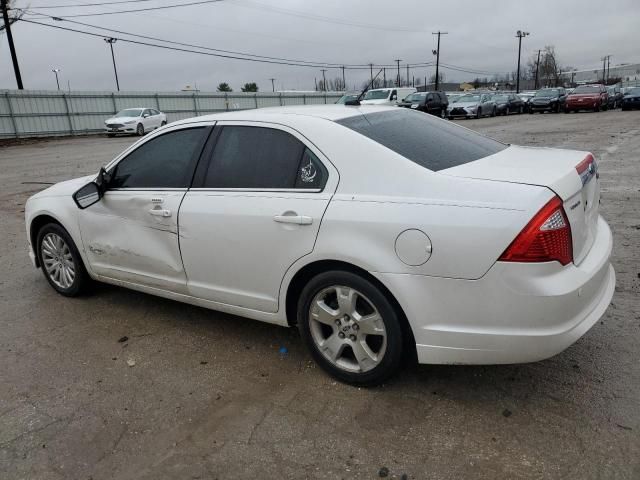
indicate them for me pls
(386, 96)
(378, 231)
(135, 120)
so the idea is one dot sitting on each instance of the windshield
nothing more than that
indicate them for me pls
(587, 89)
(130, 112)
(345, 98)
(423, 139)
(415, 97)
(377, 94)
(468, 98)
(633, 91)
(552, 92)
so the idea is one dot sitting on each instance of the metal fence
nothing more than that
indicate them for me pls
(32, 113)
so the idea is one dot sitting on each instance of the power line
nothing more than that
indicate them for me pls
(86, 4)
(167, 47)
(147, 37)
(199, 2)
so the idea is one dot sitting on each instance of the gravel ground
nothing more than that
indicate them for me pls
(210, 396)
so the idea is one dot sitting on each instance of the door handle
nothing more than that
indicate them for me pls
(295, 219)
(160, 212)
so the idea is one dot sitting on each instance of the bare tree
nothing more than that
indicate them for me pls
(14, 15)
(549, 69)
(432, 78)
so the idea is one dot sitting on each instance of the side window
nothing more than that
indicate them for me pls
(166, 161)
(146, 113)
(311, 172)
(254, 157)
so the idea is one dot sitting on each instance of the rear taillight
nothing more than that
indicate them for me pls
(546, 238)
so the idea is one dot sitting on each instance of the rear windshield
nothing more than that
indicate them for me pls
(426, 140)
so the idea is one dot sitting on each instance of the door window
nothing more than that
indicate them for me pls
(166, 161)
(262, 158)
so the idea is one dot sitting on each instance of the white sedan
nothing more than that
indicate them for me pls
(379, 232)
(135, 120)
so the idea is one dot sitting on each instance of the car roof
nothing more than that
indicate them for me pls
(331, 112)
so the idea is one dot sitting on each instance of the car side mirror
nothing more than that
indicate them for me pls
(145, 115)
(87, 195)
(394, 97)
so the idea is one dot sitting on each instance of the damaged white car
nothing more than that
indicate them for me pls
(380, 232)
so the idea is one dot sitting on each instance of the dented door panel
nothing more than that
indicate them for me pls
(133, 236)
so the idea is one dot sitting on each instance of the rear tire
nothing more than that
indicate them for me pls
(350, 327)
(60, 261)
(164, 122)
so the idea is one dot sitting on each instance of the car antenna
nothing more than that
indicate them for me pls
(369, 85)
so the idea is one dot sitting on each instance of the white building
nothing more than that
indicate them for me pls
(629, 72)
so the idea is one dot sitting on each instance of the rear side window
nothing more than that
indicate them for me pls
(428, 141)
(166, 161)
(262, 158)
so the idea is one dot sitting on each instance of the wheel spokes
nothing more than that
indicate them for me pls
(323, 313)
(371, 324)
(333, 346)
(347, 298)
(365, 357)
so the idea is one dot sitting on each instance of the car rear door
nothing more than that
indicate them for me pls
(131, 234)
(254, 209)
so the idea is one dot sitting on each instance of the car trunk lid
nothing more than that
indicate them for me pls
(571, 174)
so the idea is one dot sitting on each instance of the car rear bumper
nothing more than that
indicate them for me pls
(516, 313)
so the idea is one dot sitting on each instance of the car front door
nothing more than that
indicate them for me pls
(255, 210)
(147, 120)
(131, 234)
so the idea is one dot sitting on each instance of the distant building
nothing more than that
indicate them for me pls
(629, 72)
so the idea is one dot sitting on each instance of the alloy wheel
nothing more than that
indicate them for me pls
(347, 329)
(57, 260)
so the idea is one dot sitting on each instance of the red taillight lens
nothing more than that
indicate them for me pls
(547, 237)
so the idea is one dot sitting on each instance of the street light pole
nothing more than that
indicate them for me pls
(537, 67)
(111, 41)
(273, 85)
(398, 60)
(519, 35)
(324, 80)
(55, 71)
(344, 82)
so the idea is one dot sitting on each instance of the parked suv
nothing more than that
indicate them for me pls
(587, 97)
(435, 103)
(548, 100)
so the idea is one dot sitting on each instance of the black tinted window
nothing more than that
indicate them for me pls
(258, 157)
(166, 161)
(430, 142)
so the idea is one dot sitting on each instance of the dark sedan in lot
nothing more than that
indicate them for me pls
(631, 99)
(548, 100)
(615, 96)
(507, 103)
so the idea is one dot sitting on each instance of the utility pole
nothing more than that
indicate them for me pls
(273, 85)
(55, 71)
(344, 82)
(371, 74)
(316, 82)
(437, 54)
(12, 48)
(604, 66)
(384, 77)
(111, 41)
(324, 80)
(519, 35)
(408, 81)
(537, 67)
(608, 67)
(397, 60)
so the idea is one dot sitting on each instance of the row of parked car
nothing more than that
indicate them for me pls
(481, 104)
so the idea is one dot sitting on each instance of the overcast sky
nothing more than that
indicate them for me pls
(481, 37)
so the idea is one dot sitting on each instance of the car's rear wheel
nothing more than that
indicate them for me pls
(164, 122)
(351, 328)
(60, 261)
(140, 130)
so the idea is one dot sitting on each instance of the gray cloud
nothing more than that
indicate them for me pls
(481, 36)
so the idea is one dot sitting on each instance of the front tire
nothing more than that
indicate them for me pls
(140, 130)
(350, 327)
(60, 261)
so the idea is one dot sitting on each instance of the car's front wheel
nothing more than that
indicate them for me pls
(140, 130)
(60, 261)
(351, 328)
